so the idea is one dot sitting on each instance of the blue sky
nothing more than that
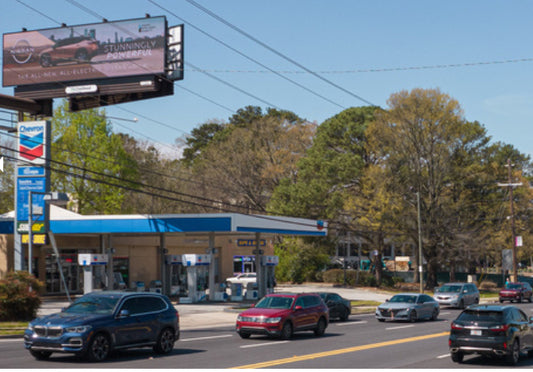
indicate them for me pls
(478, 52)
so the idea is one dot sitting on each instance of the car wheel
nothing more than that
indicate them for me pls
(244, 335)
(476, 301)
(412, 316)
(40, 355)
(99, 348)
(344, 315)
(82, 55)
(165, 341)
(45, 60)
(381, 320)
(457, 357)
(320, 327)
(529, 299)
(435, 314)
(501, 301)
(514, 353)
(286, 331)
(462, 304)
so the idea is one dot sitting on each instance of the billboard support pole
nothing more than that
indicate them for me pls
(58, 261)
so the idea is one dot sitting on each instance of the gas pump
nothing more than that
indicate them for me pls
(188, 276)
(93, 268)
(176, 275)
(270, 263)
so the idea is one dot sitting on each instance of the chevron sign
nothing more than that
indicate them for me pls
(32, 141)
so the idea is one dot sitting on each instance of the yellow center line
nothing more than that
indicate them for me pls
(299, 358)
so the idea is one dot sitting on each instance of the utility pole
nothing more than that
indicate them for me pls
(513, 235)
(420, 259)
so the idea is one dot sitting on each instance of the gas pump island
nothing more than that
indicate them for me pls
(188, 278)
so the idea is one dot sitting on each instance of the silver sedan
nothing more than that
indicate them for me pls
(408, 306)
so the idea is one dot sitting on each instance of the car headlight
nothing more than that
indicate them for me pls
(78, 329)
(273, 320)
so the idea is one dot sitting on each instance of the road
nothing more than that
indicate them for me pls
(361, 342)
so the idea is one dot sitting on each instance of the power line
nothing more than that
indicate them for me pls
(242, 32)
(245, 56)
(99, 16)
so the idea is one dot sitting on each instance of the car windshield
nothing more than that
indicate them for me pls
(450, 288)
(480, 316)
(93, 304)
(403, 298)
(513, 286)
(275, 302)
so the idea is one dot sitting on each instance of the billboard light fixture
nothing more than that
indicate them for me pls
(81, 89)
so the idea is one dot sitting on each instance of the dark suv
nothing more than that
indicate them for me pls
(492, 330)
(100, 322)
(282, 314)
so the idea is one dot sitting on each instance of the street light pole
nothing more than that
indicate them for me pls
(420, 259)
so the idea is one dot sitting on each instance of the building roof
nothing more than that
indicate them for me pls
(63, 221)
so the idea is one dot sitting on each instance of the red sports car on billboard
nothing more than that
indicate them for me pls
(78, 49)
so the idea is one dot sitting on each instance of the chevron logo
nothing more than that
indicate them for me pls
(31, 142)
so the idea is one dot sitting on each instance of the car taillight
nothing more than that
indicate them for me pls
(456, 326)
(499, 328)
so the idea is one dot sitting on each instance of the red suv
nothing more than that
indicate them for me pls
(282, 314)
(518, 291)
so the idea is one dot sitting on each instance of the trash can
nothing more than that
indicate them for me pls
(236, 292)
(251, 291)
(140, 286)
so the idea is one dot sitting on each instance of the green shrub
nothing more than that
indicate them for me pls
(19, 296)
(336, 276)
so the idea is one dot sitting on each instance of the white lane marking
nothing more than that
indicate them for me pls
(204, 338)
(13, 340)
(400, 327)
(443, 356)
(350, 323)
(264, 344)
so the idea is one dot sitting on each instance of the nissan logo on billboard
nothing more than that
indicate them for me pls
(85, 52)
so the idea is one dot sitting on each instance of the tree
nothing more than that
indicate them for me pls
(160, 188)
(199, 139)
(242, 165)
(333, 164)
(89, 161)
(426, 146)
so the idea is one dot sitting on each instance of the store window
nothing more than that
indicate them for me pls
(243, 264)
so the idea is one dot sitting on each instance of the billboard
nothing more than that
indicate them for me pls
(85, 52)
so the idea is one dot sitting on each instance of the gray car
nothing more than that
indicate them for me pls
(408, 306)
(458, 295)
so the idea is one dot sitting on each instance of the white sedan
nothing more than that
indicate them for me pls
(242, 279)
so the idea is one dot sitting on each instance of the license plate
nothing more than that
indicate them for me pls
(475, 332)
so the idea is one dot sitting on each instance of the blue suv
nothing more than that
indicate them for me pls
(100, 322)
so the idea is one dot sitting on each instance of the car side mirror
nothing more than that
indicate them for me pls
(252, 305)
(124, 313)
(387, 300)
(298, 307)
